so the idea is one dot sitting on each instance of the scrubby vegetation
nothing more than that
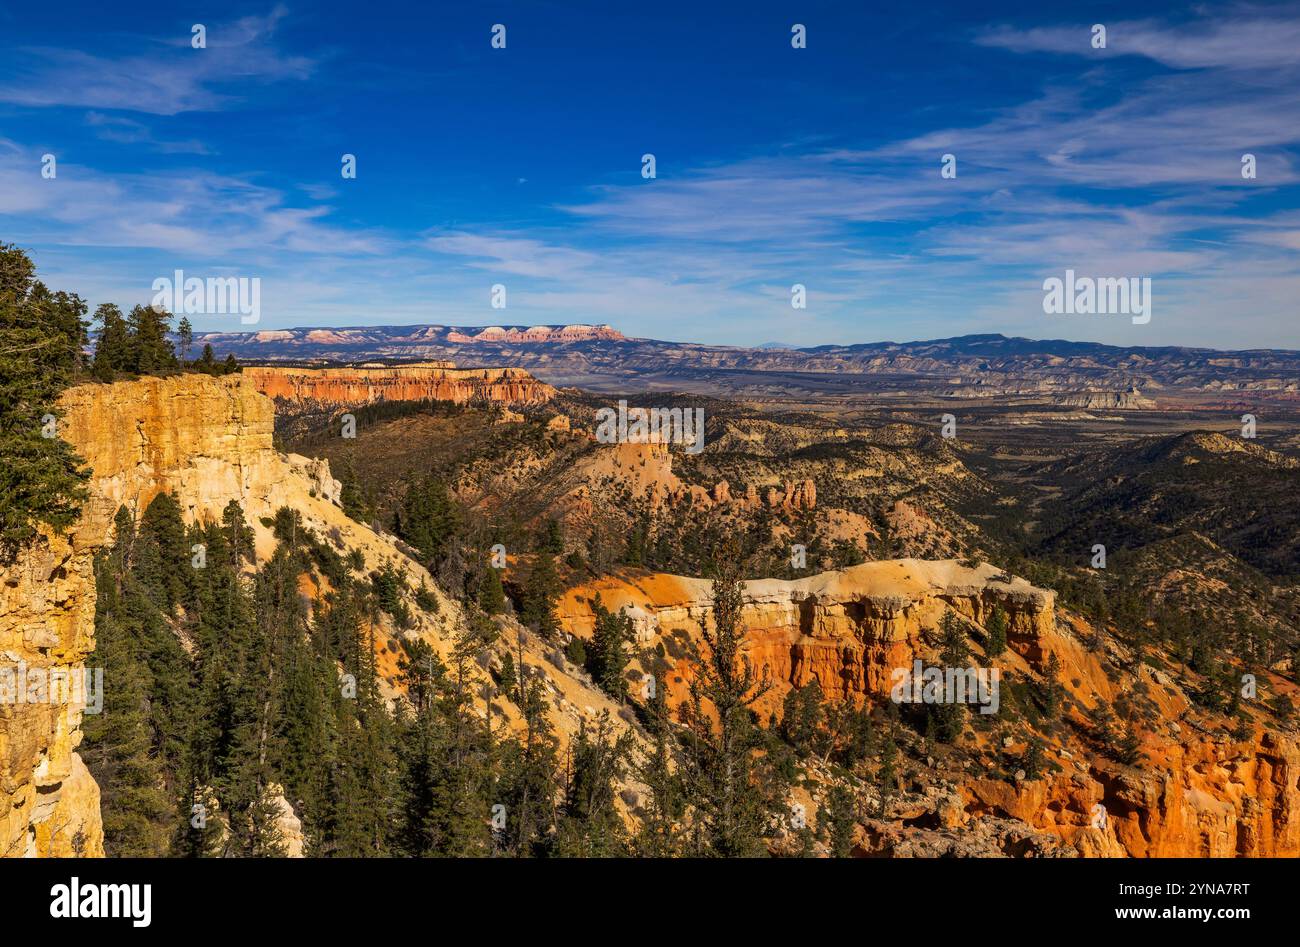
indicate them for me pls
(233, 700)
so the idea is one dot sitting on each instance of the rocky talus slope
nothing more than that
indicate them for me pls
(1198, 791)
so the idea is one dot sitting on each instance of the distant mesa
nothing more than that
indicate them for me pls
(535, 334)
(366, 384)
(1112, 400)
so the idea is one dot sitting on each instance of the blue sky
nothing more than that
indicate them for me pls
(775, 165)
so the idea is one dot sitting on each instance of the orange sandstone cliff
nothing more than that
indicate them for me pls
(1200, 789)
(209, 440)
(414, 382)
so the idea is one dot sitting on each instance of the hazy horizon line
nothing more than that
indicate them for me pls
(772, 345)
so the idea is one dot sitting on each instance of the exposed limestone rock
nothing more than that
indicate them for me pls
(209, 440)
(846, 629)
(317, 473)
(49, 805)
(353, 387)
(286, 822)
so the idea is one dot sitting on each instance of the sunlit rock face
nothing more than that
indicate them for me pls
(1197, 792)
(340, 387)
(209, 441)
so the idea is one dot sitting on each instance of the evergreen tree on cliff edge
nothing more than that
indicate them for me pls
(41, 339)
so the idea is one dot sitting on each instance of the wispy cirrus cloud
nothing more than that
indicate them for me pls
(194, 212)
(126, 131)
(1223, 39)
(513, 254)
(168, 78)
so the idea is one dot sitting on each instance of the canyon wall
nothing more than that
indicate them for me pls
(49, 804)
(208, 440)
(846, 629)
(352, 387)
(1198, 791)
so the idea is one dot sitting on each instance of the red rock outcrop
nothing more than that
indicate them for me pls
(1195, 792)
(353, 387)
(846, 629)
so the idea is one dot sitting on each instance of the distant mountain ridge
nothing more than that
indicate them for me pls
(971, 366)
(307, 337)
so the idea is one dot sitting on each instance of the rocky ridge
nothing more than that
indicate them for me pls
(1200, 790)
(356, 386)
(209, 440)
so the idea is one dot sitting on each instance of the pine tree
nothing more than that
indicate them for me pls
(118, 741)
(1034, 762)
(1051, 694)
(1128, 747)
(112, 344)
(733, 809)
(840, 812)
(491, 595)
(507, 677)
(946, 721)
(955, 649)
(164, 556)
(591, 825)
(659, 834)
(238, 534)
(351, 496)
(427, 519)
(539, 595)
(997, 629)
(41, 334)
(186, 333)
(607, 659)
(801, 718)
(527, 786)
(150, 351)
(553, 537)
